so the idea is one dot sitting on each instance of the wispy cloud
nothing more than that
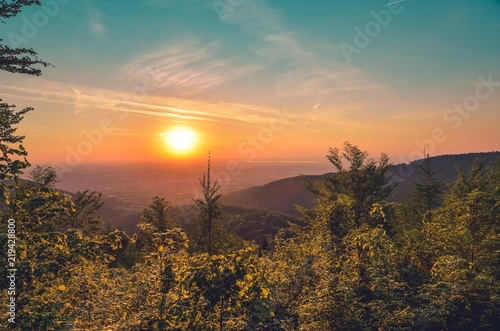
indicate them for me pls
(96, 24)
(186, 65)
(83, 100)
(311, 70)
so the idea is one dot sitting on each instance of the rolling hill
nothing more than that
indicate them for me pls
(282, 195)
(259, 211)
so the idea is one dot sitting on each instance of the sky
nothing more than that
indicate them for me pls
(257, 80)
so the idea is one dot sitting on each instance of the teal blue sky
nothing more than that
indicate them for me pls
(224, 68)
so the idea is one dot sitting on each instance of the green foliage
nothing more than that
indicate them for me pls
(347, 271)
(11, 144)
(256, 225)
(157, 216)
(83, 213)
(469, 217)
(47, 263)
(360, 263)
(348, 197)
(44, 176)
(42, 207)
(463, 247)
(13, 154)
(10, 9)
(211, 235)
(427, 190)
(209, 210)
(355, 286)
(18, 60)
(217, 293)
(414, 226)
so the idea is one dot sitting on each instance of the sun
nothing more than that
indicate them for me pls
(180, 140)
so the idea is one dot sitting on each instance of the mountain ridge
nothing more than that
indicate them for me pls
(282, 195)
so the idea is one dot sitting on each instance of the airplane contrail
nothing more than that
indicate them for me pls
(393, 3)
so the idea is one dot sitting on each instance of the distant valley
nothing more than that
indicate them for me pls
(276, 200)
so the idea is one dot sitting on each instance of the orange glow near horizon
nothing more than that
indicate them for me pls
(180, 141)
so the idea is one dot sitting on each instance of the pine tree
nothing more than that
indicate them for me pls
(157, 215)
(209, 207)
(428, 190)
(355, 195)
(470, 214)
(464, 289)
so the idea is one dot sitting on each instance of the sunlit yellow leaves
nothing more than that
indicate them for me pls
(378, 210)
(61, 288)
(264, 293)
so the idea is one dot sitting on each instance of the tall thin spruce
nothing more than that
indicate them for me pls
(209, 207)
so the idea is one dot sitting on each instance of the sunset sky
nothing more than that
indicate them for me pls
(257, 80)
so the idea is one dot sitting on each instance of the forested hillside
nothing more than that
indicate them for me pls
(283, 195)
(280, 198)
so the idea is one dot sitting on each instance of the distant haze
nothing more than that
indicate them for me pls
(135, 184)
